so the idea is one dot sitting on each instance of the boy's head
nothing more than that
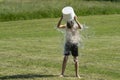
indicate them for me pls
(70, 24)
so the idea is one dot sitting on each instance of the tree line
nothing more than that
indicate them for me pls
(105, 0)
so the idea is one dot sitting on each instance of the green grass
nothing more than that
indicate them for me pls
(32, 50)
(35, 9)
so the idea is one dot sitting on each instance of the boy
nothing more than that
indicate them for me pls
(71, 43)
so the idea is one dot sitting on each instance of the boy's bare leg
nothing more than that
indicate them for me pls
(64, 65)
(76, 67)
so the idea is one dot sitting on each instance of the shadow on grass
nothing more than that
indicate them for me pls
(26, 76)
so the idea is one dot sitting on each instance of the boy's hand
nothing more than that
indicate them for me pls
(75, 18)
(61, 17)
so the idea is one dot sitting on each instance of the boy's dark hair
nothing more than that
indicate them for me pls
(70, 24)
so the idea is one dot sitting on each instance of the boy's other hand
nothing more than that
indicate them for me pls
(75, 18)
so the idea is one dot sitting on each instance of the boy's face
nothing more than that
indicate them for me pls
(70, 24)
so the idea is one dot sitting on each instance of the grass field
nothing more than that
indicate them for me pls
(32, 50)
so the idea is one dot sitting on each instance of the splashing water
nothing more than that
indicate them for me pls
(86, 33)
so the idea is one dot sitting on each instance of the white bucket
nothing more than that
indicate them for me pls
(68, 13)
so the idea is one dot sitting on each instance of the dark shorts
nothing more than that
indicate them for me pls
(71, 48)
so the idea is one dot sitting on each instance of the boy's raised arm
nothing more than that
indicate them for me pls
(75, 18)
(59, 23)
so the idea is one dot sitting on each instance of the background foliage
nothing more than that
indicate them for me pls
(34, 9)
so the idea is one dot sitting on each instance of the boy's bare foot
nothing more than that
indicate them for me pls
(61, 75)
(78, 76)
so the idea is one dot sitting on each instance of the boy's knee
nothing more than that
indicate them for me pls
(75, 60)
(65, 57)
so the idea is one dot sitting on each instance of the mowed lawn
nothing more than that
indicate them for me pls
(32, 50)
